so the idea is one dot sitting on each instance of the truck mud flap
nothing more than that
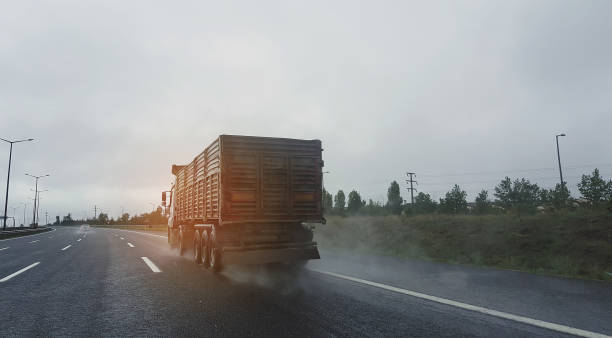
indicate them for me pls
(263, 256)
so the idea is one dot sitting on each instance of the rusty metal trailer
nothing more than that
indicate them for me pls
(246, 199)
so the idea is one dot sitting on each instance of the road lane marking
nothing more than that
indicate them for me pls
(5, 248)
(34, 241)
(495, 313)
(130, 245)
(18, 272)
(121, 238)
(21, 237)
(143, 233)
(151, 265)
(50, 236)
(66, 247)
(78, 240)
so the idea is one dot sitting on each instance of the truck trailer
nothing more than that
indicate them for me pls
(247, 200)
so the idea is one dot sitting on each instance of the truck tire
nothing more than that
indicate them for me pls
(205, 248)
(172, 238)
(181, 242)
(215, 252)
(197, 247)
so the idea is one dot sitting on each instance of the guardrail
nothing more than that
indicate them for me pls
(16, 232)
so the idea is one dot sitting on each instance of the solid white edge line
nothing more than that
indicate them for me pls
(495, 313)
(150, 264)
(24, 236)
(5, 248)
(18, 272)
(69, 245)
(130, 245)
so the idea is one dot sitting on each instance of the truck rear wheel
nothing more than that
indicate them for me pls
(215, 252)
(197, 247)
(172, 237)
(205, 248)
(181, 242)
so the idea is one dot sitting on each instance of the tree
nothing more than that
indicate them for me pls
(394, 199)
(424, 204)
(67, 219)
(327, 201)
(339, 201)
(594, 188)
(124, 218)
(520, 195)
(374, 208)
(483, 205)
(102, 218)
(354, 202)
(455, 201)
(558, 197)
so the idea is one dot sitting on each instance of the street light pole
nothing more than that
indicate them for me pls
(559, 159)
(25, 205)
(35, 209)
(8, 176)
(38, 204)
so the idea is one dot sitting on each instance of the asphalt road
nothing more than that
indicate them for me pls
(95, 282)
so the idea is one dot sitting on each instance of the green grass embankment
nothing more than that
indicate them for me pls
(570, 244)
(152, 228)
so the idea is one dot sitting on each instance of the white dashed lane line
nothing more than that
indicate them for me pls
(18, 272)
(66, 247)
(130, 245)
(78, 240)
(150, 264)
(122, 238)
(4, 248)
(34, 241)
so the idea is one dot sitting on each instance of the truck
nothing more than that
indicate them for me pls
(247, 200)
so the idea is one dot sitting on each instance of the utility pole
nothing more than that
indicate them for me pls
(95, 212)
(412, 189)
(46, 218)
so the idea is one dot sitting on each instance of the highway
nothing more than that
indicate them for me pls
(82, 281)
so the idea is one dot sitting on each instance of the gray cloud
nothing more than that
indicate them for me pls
(114, 93)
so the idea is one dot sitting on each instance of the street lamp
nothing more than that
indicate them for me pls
(559, 159)
(38, 203)
(35, 209)
(25, 205)
(8, 177)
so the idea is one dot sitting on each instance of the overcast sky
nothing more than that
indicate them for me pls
(115, 92)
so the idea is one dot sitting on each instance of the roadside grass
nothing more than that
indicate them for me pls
(151, 228)
(576, 244)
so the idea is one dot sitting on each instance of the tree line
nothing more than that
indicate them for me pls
(152, 218)
(518, 195)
